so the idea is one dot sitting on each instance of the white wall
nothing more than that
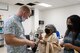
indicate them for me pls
(58, 16)
(12, 10)
(28, 25)
(36, 18)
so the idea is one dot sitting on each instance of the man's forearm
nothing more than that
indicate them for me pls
(12, 40)
(18, 42)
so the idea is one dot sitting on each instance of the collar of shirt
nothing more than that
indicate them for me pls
(18, 18)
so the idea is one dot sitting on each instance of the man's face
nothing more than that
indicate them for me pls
(26, 15)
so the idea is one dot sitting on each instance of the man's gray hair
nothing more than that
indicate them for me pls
(25, 8)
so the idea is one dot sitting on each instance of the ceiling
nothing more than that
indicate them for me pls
(54, 3)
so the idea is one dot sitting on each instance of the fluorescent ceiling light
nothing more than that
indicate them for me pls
(44, 4)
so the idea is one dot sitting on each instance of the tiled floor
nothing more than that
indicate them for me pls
(3, 50)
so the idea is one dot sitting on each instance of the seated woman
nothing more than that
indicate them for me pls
(48, 43)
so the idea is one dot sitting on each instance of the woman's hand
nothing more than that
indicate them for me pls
(43, 42)
(40, 37)
(68, 45)
(61, 44)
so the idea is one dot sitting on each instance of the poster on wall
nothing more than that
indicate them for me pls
(4, 6)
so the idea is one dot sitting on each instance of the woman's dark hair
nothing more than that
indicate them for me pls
(75, 20)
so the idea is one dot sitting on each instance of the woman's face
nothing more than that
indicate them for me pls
(69, 25)
(69, 22)
(48, 31)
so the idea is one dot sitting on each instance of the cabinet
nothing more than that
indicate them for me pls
(1, 34)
